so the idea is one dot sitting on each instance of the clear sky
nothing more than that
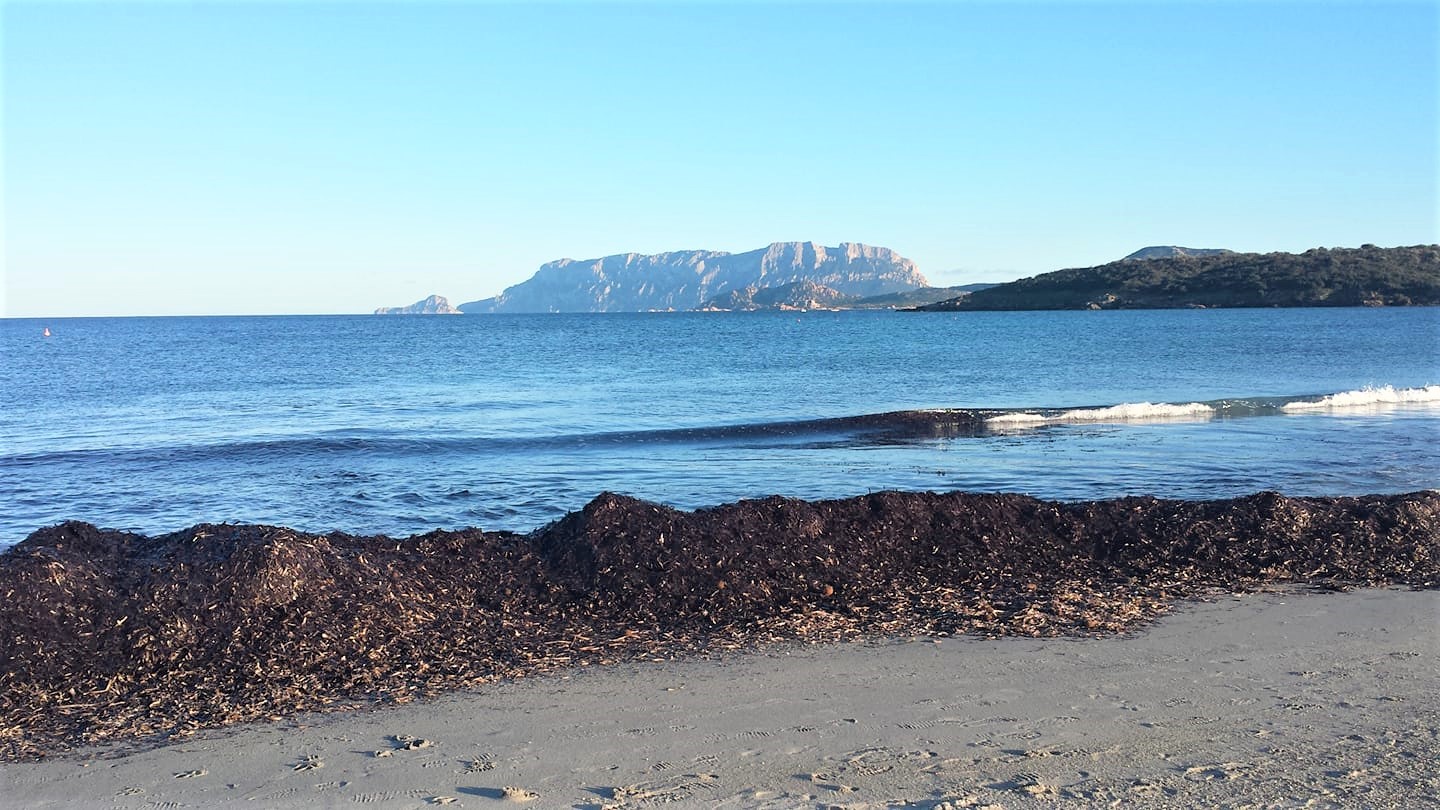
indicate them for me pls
(267, 157)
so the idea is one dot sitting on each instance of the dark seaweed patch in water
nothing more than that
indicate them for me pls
(108, 635)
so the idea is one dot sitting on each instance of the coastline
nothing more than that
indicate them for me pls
(1282, 697)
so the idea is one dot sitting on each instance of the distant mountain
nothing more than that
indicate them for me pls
(434, 305)
(681, 280)
(1175, 252)
(1337, 277)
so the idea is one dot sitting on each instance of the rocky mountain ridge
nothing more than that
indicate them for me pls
(683, 280)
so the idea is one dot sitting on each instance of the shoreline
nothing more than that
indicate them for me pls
(1274, 697)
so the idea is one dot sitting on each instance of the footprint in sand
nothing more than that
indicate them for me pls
(1150, 786)
(670, 789)
(965, 803)
(1029, 783)
(920, 725)
(388, 796)
(1208, 773)
(829, 782)
(479, 764)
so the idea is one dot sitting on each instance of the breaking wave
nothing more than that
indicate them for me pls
(1370, 399)
(1125, 412)
(1382, 397)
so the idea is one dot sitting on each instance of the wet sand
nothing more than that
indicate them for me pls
(1272, 699)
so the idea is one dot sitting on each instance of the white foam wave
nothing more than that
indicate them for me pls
(1368, 399)
(1125, 412)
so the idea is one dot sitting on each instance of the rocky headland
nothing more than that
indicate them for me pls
(434, 305)
(1179, 278)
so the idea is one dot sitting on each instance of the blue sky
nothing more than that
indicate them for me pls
(266, 157)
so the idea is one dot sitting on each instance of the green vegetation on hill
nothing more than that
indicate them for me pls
(809, 295)
(916, 298)
(1337, 277)
(797, 295)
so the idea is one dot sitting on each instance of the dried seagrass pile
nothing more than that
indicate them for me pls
(110, 636)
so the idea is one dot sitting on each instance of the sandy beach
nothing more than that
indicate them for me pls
(1287, 698)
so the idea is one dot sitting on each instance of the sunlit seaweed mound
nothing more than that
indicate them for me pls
(108, 636)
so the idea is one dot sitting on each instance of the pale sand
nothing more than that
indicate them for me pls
(1279, 699)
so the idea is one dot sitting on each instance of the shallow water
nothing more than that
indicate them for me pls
(400, 425)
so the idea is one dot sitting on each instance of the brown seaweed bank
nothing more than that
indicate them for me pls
(107, 635)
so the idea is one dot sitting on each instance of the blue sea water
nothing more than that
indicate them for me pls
(400, 425)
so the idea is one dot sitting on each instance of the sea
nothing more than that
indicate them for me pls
(402, 425)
